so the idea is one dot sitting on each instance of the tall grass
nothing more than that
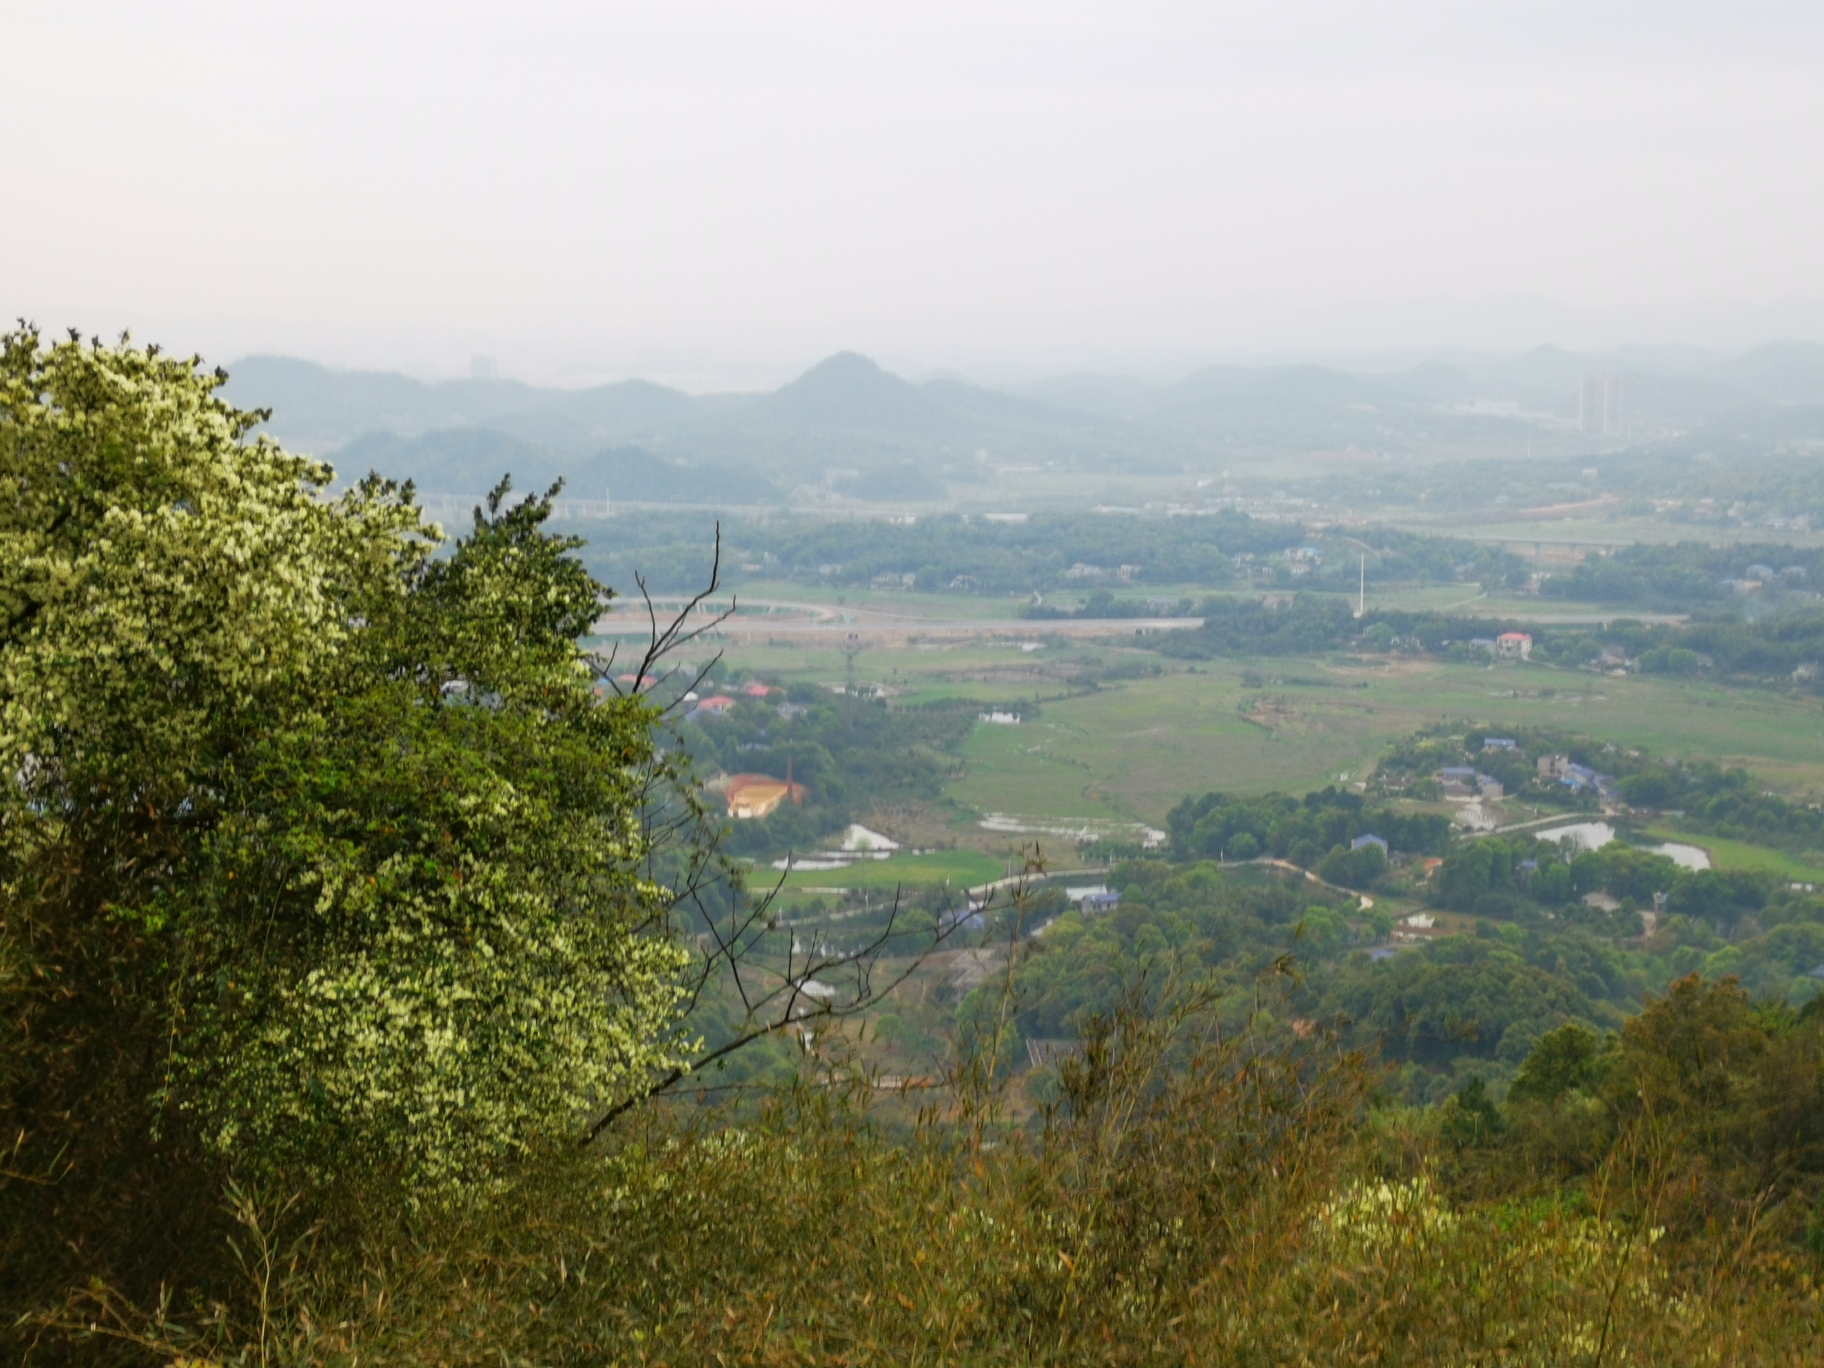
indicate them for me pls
(1195, 1195)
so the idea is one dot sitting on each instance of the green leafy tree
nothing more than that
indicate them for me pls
(321, 855)
(1471, 1117)
(1563, 1060)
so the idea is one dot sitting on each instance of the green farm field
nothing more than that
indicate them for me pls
(1131, 748)
(960, 868)
(1135, 748)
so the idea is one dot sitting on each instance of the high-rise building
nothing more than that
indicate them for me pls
(1599, 406)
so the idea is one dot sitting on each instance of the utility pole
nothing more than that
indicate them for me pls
(849, 652)
(1361, 589)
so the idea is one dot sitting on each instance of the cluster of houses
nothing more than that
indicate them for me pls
(1757, 575)
(747, 796)
(718, 705)
(1464, 783)
(1305, 559)
(1082, 570)
(1577, 778)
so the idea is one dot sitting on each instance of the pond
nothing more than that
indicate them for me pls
(1595, 835)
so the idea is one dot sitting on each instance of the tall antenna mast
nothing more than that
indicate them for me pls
(1361, 588)
(849, 652)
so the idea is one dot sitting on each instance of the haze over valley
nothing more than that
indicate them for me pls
(956, 684)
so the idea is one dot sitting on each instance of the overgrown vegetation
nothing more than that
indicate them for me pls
(1195, 1193)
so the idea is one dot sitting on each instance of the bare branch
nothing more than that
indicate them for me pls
(788, 1003)
(676, 819)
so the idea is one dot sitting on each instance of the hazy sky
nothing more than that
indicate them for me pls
(723, 192)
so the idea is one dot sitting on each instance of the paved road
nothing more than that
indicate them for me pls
(820, 622)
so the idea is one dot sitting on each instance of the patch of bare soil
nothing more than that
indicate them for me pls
(916, 826)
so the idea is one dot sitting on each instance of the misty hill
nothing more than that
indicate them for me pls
(1300, 407)
(471, 460)
(1780, 373)
(319, 409)
(848, 427)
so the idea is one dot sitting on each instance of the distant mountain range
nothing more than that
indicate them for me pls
(848, 427)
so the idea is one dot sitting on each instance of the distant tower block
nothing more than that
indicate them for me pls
(1599, 405)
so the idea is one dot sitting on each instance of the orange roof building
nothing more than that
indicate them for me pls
(757, 795)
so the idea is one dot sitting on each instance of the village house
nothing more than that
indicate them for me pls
(716, 705)
(1576, 777)
(1513, 646)
(1462, 783)
(757, 795)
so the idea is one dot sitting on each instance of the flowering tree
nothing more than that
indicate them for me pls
(320, 853)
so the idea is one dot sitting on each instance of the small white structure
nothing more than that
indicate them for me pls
(1475, 817)
(858, 838)
(1003, 719)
